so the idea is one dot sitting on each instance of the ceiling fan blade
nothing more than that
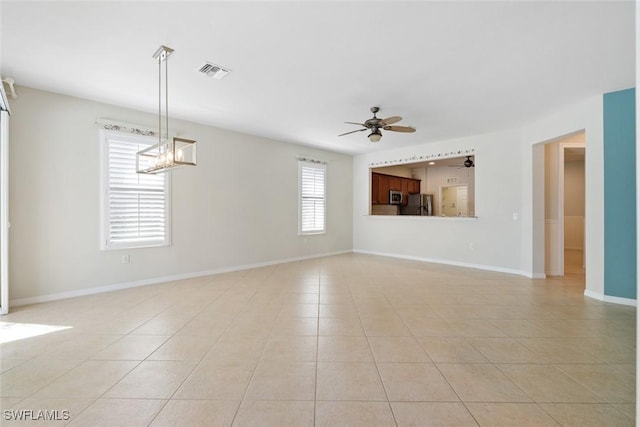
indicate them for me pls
(399, 128)
(354, 123)
(391, 120)
(353, 131)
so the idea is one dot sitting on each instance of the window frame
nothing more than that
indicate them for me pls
(105, 216)
(302, 164)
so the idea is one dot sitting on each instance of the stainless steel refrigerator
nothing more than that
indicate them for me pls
(418, 204)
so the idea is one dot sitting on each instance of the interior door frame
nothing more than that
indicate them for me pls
(540, 267)
(4, 211)
(441, 194)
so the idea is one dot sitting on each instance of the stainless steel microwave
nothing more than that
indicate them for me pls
(395, 197)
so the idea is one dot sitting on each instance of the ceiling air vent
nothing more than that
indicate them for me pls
(213, 70)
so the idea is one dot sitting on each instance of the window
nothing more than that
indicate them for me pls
(312, 197)
(135, 206)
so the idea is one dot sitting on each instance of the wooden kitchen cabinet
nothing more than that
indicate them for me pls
(395, 183)
(413, 186)
(379, 189)
(375, 188)
(383, 190)
(409, 186)
(381, 184)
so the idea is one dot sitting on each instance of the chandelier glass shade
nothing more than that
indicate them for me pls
(168, 153)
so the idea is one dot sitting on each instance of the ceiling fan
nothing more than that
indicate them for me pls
(467, 164)
(375, 124)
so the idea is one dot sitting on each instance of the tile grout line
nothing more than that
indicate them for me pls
(357, 284)
(257, 363)
(199, 361)
(195, 365)
(315, 387)
(375, 363)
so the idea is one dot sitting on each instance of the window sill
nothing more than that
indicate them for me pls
(134, 246)
(312, 233)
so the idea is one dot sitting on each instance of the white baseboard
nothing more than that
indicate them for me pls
(448, 262)
(538, 276)
(611, 299)
(554, 274)
(155, 280)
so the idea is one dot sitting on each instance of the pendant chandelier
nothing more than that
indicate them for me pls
(167, 153)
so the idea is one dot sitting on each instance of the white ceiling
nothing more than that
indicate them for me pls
(300, 69)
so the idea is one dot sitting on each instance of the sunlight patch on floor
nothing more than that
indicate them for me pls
(10, 331)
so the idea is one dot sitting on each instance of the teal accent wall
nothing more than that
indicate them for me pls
(620, 194)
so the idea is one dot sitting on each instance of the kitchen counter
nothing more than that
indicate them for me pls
(385, 210)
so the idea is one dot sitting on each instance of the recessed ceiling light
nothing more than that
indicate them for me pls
(432, 163)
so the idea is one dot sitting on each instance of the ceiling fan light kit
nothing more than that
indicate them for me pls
(167, 153)
(375, 136)
(468, 163)
(374, 124)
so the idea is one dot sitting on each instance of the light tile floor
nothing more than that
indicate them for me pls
(346, 340)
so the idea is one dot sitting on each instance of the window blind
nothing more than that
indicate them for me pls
(136, 204)
(312, 197)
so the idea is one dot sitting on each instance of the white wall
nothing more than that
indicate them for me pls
(574, 187)
(421, 174)
(554, 255)
(237, 207)
(492, 240)
(583, 116)
(437, 178)
(574, 204)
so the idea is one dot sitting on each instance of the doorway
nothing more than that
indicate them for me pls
(574, 211)
(564, 207)
(454, 200)
(4, 211)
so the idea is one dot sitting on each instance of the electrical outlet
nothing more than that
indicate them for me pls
(516, 216)
(126, 259)
(472, 246)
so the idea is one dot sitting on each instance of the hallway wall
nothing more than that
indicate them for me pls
(574, 204)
